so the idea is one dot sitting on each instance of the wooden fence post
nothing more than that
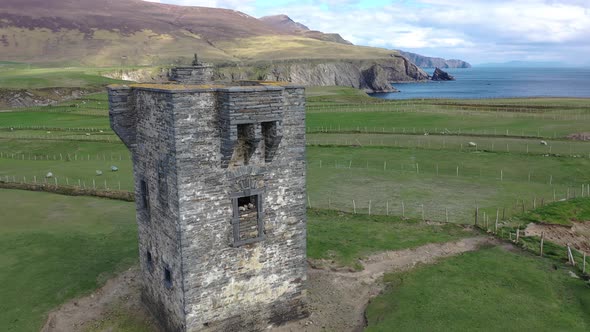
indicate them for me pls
(496, 225)
(542, 239)
(423, 219)
(403, 210)
(570, 256)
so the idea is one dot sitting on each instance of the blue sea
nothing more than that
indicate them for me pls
(489, 82)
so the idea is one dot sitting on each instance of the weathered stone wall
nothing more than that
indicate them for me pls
(248, 287)
(122, 115)
(182, 137)
(200, 74)
(147, 128)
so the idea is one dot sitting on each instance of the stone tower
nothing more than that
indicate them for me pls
(220, 198)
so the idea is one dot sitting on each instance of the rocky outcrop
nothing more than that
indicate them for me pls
(157, 74)
(440, 75)
(368, 75)
(430, 62)
(10, 98)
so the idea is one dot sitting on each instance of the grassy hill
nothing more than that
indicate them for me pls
(135, 32)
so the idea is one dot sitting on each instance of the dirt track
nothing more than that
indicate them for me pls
(337, 299)
(576, 236)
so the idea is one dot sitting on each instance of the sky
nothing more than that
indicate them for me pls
(477, 31)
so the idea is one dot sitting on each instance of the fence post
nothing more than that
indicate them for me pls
(369, 207)
(447, 214)
(570, 256)
(353, 206)
(496, 226)
(542, 239)
(403, 210)
(423, 219)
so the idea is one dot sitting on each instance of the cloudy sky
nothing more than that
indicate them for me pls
(478, 31)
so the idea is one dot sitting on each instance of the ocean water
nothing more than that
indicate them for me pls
(488, 82)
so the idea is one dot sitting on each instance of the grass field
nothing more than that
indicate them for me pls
(384, 154)
(345, 238)
(365, 156)
(488, 290)
(54, 248)
(22, 76)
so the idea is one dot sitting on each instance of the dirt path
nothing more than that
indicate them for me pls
(577, 236)
(89, 312)
(337, 299)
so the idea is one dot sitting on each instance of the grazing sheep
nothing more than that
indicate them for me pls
(472, 144)
(543, 143)
(114, 168)
(98, 172)
(49, 175)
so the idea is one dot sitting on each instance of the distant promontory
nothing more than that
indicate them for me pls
(430, 62)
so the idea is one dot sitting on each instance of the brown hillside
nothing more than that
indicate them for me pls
(129, 16)
(285, 24)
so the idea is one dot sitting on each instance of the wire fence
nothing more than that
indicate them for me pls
(480, 144)
(556, 112)
(493, 132)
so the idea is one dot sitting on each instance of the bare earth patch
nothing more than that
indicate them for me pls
(577, 236)
(337, 298)
(579, 136)
(90, 312)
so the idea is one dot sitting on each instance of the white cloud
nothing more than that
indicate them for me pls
(477, 29)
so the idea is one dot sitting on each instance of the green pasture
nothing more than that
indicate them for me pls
(363, 158)
(47, 119)
(488, 290)
(91, 104)
(455, 143)
(472, 164)
(381, 162)
(54, 248)
(344, 238)
(560, 213)
(24, 76)
(478, 123)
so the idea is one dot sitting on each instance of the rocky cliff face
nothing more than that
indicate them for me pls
(10, 98)
(430, 62)
(368, 75)
(440, 75)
